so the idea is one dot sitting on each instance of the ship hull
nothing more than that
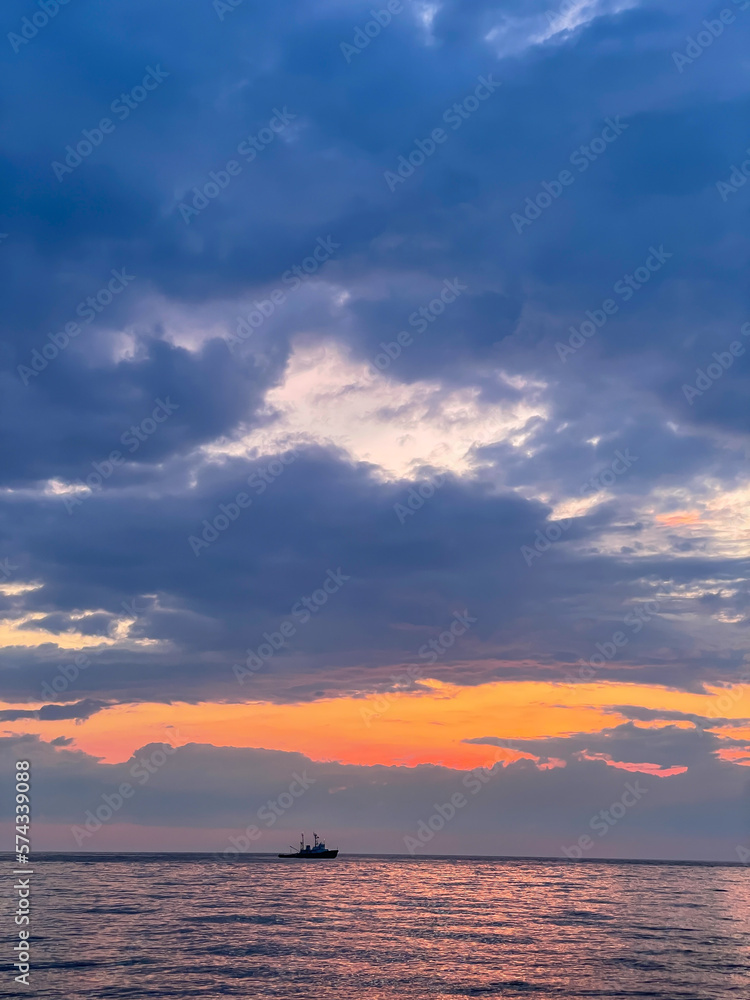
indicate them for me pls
(310, 856)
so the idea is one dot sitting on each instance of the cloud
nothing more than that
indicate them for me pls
(479, 394)
(51, 713)
(213, 792)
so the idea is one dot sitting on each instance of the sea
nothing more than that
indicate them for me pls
(383, 928)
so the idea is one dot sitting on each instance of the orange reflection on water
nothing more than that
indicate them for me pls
(383, 929)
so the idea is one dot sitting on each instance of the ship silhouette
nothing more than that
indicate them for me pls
(318, 850)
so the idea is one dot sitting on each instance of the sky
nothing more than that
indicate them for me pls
(375, 429)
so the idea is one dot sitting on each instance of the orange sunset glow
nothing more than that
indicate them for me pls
(399, 728)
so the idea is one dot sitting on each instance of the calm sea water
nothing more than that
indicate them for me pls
(179, 926)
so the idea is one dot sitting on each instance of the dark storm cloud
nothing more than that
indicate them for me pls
(52, 713)
(320, 176)
(97, 624)
(128, 555)
(166, 401)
